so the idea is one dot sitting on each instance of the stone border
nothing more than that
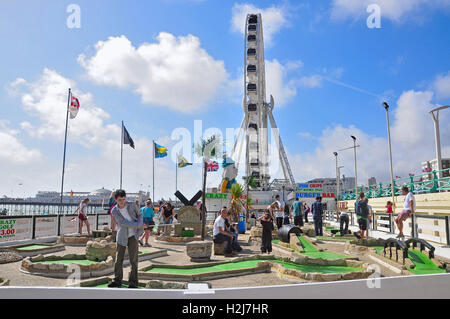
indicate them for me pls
(51, 248)
(34, 266)
(301, 259)
(98, 281)
(4, 282)
(264, 266)
(172, 240)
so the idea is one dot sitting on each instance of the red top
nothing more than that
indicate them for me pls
(389, 210)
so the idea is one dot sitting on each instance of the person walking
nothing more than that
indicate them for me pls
(317, 211)
(306, 210)
(279, 212)
(369, 218)
(131, 227)
(220, 234)
(82, 216)
(409, 207)
(297, 208)
(148, 213)
(362, 214)
(287, 214)
(266, 238)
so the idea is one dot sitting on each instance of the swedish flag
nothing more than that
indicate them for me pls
(182, 162)
(160, 151)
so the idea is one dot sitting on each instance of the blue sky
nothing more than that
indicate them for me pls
(334, 72)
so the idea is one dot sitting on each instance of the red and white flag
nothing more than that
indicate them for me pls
(74, 107)
(213, 166)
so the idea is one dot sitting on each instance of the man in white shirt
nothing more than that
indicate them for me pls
(220, 235)
(279, 212)
(409, 207)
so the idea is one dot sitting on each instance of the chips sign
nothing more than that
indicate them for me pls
(312, 191)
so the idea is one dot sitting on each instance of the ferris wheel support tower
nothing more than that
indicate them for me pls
(257, 113)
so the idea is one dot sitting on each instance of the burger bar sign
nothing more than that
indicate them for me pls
(312, 191)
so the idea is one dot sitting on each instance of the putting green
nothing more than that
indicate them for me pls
(31, 247)
(334, 238)
(311, 251)
(423, 264)
(250, 264)
(83, 262)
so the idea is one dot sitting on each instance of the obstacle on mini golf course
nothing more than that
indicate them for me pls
(63, 266)
(247, 265)
(423, 265)
(29, 250)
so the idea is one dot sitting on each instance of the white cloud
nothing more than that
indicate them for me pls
(46, 99)
(441, 85)
(412, 142)
(273, 18)
(313, 81)
(13, 150)
(174, 72)
(395, 10)
(276, 75)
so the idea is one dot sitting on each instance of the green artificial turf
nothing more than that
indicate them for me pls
(83, 262)
(31, 247)
(275, 241)
(423, 264)
(334, 238)
(307, 246)
(250, 264)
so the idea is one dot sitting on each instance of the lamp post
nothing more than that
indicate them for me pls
(356, 171)
(337, 177)
(435, 114)
(386, 107)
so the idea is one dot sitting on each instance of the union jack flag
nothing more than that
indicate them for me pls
(213, 166)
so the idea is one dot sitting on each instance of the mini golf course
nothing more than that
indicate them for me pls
(251, 264)
(423, 264)
(35, 249)
(311, 251)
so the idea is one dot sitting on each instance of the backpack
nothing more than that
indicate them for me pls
(361, 209)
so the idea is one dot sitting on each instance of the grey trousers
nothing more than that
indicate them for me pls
(132, 256)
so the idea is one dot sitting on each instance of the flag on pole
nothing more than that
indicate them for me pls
(182, 162)
(213, 166)
(160, 151)
(127, 138)
(74, 107)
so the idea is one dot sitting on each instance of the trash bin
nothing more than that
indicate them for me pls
(241, 224)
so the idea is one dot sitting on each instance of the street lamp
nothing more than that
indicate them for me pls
(337, 177)
(437, 136)
(356, 171)
(386, 107)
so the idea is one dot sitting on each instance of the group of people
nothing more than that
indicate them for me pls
(364, 214)
(224, 231)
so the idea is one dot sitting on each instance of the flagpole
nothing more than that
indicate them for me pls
(121, 156)
(64, 155)
(153, 175)
(176, 176)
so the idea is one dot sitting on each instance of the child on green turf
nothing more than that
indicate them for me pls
(267, 225)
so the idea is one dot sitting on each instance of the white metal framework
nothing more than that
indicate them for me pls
(257, 112)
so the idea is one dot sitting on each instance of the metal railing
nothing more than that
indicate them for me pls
(385, 223)
(40, 226)
(429, 182)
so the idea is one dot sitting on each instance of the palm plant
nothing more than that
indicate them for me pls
(207, 149)
(236, 203)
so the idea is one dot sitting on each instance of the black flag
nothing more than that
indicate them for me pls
(127, 138)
